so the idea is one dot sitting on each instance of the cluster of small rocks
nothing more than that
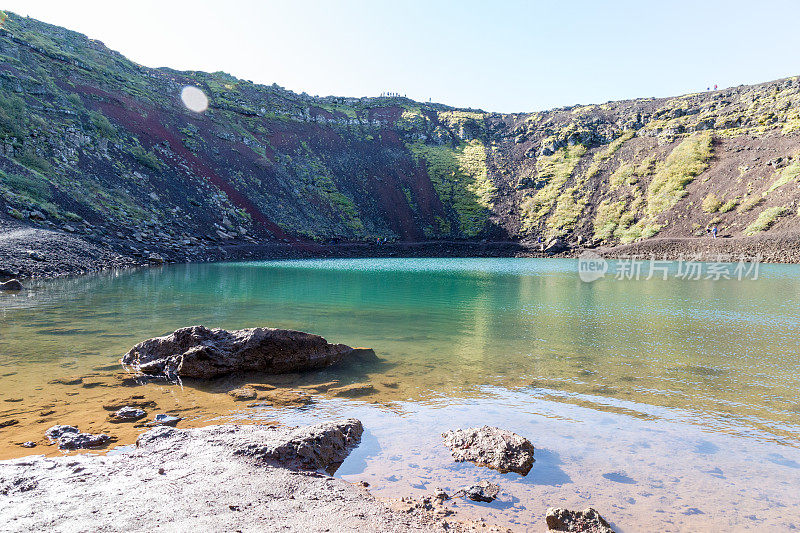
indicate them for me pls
(506, 451)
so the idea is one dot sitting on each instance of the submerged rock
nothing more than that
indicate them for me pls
(200, 352)
(586, 521)
(242, 394)
(66, 381)
(132, 401)
(321, 387)
(482, 491)
(491, 447)
(285, 398)
(353, 391)
(128, 414)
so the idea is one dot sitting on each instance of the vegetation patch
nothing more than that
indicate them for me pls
(461, 181)
(766, 219)
(32, 160)
(711, 204)
(146, 158)
(31, 191)
(102, 125)
(646, 167)
(612, 148)
(624, 175)
(750, 203)
(555, 169)
(34, 187)
(686, 161)
(607, 219)
(786, 175)
(13, 117)
(569, 207)
(730, 205)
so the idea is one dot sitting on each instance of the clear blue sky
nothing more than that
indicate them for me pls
(499, 56)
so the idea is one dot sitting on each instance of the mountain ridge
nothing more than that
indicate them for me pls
(100, 147)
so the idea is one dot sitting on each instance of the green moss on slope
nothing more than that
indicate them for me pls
(555, 169)
(766, 219)
(786, 175)
(461, 181)
(686, 161)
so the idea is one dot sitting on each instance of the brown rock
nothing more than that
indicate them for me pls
(491, 447)
(364, 356)
(586, 521)
(200, 352)
(8, 423)
(482, 491)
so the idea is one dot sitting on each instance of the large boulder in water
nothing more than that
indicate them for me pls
(492, 447)
(200, 352)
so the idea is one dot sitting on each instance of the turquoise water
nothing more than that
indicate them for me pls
(712, 359)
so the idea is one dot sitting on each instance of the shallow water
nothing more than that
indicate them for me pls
(667, 404)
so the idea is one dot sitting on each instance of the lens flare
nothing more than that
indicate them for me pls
(194, 99)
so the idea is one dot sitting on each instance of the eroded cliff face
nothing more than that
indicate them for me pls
(96, 145)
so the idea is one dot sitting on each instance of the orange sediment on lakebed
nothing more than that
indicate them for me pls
(28, 409)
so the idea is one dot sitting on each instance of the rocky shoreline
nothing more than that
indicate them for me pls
(231, 478)
(240, 478)
(33, 252)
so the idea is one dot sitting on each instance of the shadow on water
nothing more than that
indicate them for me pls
(706, 448)
(546, 470)
(356, 462)
(619, 477)
(779, 459)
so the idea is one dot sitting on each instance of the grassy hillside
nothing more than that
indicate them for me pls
(97, 145)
